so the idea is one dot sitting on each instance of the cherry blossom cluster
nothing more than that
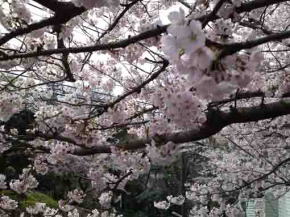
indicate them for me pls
(40, 164)
(25, 182)
(7, 203)
(44, 210)
(9, 105)
(178, 106)
(162, 204)
(228, 210)
(14, 11)
(37, 209)
(199, 72)
(179, 200)
(237, 161)
(96, 213)
(59, 152)
(208, 76)
(65, 206)
(127, 162)
(76, 195)
(163, 155)
(105, 199)
(96, 176)
(165, 204)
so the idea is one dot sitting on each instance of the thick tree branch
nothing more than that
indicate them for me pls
(213, 13)
(229, 49)
(53, 5)
(235, 47)
(65, 63)
(252, 5)
(64, 13)
(113, 45)
(28, 29)
(245, 7)
(216, 121)
(238, 96)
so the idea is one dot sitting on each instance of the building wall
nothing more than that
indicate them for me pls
(271, 207)
(250, 210)
(284, 205)
(263, 207)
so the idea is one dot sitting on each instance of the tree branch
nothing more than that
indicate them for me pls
(245, 7)
(235, 47)
(64, 13)
(53, 5)
(136, 89)
(113, 45)
(111, 27)
(238, 96)
(28, 29)
(212, 126)
(213, 13)
(65, 63)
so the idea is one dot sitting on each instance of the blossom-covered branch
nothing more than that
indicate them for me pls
(123, 43)
(216, 121)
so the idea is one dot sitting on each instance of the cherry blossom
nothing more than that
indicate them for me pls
(36, 209)
(179, 200)
(25, 182)
(7, 203)
(162, 205)
(76, 196)
(118, 87)
(105, 199)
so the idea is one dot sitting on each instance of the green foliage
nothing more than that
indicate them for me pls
(13, 195)
(38, 197)
(31, 198)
